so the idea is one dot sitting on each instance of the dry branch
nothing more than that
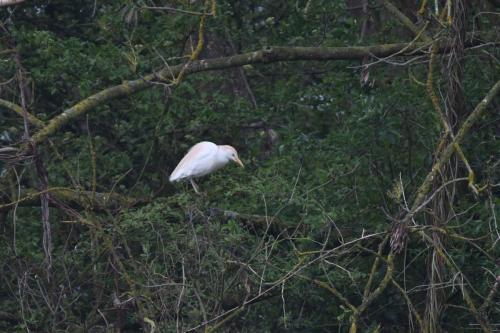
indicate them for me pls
(368, 297)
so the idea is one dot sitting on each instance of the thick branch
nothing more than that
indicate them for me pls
(103, 201)
(267, 55)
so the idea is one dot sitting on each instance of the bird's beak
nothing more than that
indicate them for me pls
(239, 162)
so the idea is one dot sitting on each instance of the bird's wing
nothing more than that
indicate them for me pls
(190, 163)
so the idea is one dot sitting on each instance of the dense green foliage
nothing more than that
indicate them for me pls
(328, 160)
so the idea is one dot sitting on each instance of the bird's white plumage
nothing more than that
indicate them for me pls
(203, 158)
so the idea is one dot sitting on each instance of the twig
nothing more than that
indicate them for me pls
(299, 267)
(410, 304)
(175, 10)
(179, 300)
(487, 302)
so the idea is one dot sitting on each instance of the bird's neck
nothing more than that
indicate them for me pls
(221, 156)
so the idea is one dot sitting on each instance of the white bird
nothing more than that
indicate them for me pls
(203, 158)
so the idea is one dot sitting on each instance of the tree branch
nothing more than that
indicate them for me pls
(376, 262)
(367, 300)
(81, 198)
(406, 21)
(489, 299)
(399, 232)
(329, 287)
(412, 308)
(264, 56)
(424, 188)
(19, 110)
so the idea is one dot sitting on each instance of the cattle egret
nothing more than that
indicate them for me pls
(203, 158)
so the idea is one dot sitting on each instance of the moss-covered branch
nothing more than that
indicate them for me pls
(368, 299)
(410, 304)
(374, 269)
(85, 199)
(331, 289)
(266, 55)
(234, 314)
(19, 110)
(406, 21)
(424, 188)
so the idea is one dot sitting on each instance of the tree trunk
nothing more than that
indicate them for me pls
(442, 205)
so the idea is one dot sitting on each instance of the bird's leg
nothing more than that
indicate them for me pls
(195, 186)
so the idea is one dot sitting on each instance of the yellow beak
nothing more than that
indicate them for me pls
(239, 162)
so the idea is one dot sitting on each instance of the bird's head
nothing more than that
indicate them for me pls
(232, 155)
